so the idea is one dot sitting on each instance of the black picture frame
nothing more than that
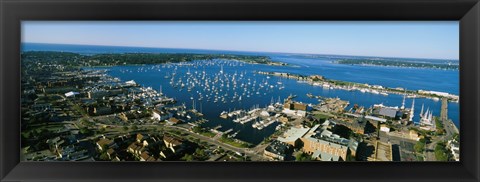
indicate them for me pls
(14, 11)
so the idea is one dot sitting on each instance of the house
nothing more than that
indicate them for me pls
(140, 137)
(173, 121)
(104, 143)
(71, 94)
(110, 153)
(136, 148)
(173, 143)
(167, 154)
(145, 156)
(123, 116)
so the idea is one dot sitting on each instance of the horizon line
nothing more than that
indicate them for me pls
(321, 54)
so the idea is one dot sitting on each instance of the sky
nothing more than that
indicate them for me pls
(410, 39)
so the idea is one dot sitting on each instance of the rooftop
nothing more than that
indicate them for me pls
(293, 134)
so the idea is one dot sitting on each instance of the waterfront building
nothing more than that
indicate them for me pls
(131, 83)
(161, 115)
(295, 106)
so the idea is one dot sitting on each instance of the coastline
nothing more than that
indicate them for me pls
(318, 80)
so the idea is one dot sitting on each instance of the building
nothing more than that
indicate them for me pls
(136, 148)
(384, 128)
(130, 83)
(325, 148)
(173, 143)
(145, 156)
(293, 135)
(376, 120)
(295, 106)
(277, 150)
(283, 119)
(173, 121)
(123, 116)
(323, 145)
(388, 112)
(142, 139)
(454, 147)
(161, 115)
(71, 94)
(104, 143)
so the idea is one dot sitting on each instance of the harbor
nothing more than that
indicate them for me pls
(225, 86)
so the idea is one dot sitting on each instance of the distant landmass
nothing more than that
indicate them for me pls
(400, 63)
(75, 59)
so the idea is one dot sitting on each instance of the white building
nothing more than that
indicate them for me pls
(160, 115)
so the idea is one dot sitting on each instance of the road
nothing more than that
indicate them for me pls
(450, 130)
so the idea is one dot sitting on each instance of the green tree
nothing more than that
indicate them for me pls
(104, 156)
(441, 152)
(85, 131)
(303, 157)
(420, 145)
(188, 157)
(134, 127)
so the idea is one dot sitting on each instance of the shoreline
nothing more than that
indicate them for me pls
(318, 80)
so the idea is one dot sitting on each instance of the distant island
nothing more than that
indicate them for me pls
(74, 59)
(397, 63)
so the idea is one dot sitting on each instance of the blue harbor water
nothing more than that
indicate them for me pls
(246, 89)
